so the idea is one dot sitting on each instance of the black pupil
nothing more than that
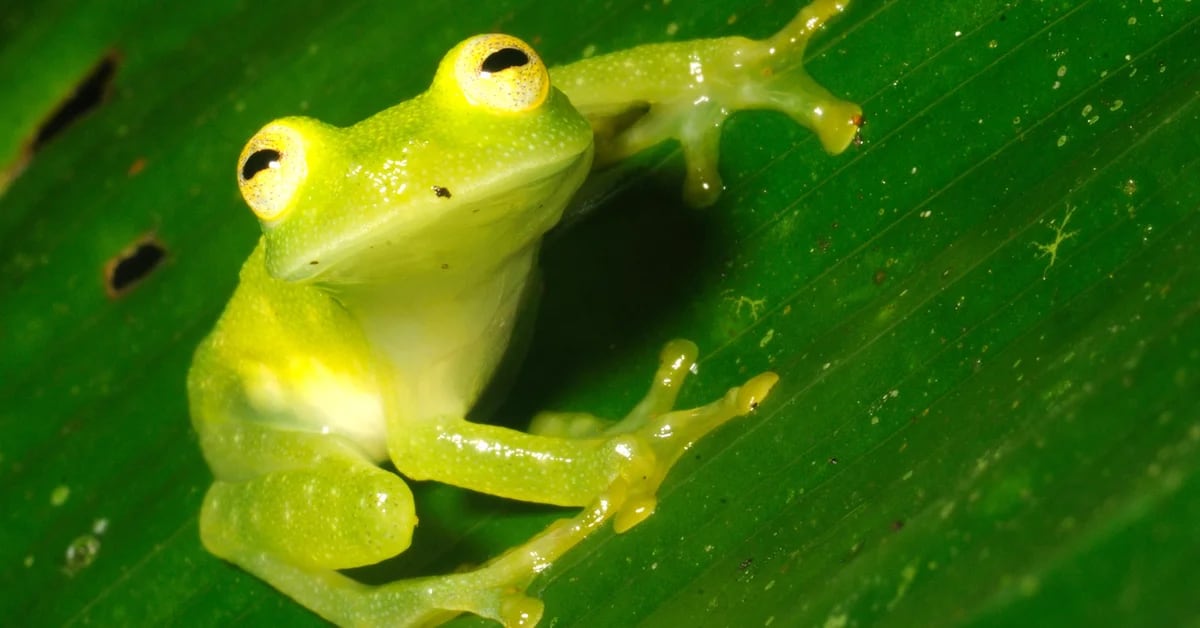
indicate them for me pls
(504, 59)
(259, 161)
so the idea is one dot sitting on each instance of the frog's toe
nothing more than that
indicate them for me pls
(636, 510)
(701, 141)
(658, 445)
(676, 360)
(520, 610)
(750, 394)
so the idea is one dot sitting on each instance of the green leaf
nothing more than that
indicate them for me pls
(985, 317)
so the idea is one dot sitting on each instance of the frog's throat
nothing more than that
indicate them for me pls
(437, 353)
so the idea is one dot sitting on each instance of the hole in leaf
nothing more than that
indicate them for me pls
(132, 265)
(88, 94)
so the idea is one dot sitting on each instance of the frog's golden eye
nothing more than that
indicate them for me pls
(501, 72)
(272, 167)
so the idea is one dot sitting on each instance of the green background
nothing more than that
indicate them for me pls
(985, 316)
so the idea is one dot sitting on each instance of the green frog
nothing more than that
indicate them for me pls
(395, 258)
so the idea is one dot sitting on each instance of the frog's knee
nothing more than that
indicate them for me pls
(309, 521)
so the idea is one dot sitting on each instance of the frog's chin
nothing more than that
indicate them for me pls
(451, 235)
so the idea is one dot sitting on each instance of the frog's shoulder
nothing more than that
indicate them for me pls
(288, 354)
(267, 311)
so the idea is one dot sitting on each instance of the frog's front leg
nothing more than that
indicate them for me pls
(640, 97)
(614, 470)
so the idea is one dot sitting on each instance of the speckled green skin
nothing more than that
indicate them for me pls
(379, 301)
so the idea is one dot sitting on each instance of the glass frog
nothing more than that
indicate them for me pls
(395, 258)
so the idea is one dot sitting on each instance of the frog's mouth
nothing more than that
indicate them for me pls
(455, 230)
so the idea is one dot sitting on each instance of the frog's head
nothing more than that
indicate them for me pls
(458, 178)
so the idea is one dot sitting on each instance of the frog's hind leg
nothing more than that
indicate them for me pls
(293, 507)
(495, 591)
(426, 601)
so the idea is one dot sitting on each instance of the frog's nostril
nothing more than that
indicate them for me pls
(504, 59)
(259, 161)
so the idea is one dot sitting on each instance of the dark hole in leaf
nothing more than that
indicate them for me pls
(259, 161)
(133, 265)
(88, 95)
(503, 59)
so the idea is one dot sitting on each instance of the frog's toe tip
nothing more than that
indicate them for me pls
(635, 511)
(701, 191)
(679, 354)
(521, 610)
(754, 391)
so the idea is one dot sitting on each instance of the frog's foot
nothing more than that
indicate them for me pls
(659, 435)
(732, 74)
(496, 590)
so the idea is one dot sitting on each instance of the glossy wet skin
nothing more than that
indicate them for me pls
(396, 256)
(479, 149)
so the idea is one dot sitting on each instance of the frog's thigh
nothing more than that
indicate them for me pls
(334, 511)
